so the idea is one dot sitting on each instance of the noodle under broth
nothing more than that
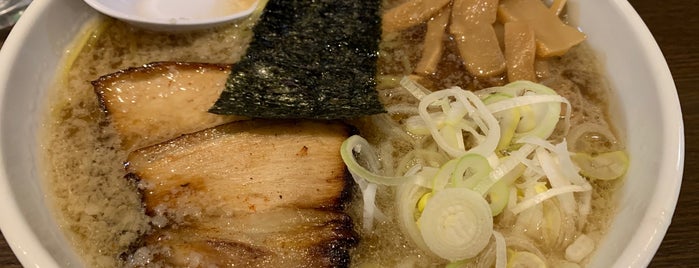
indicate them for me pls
(101, 211)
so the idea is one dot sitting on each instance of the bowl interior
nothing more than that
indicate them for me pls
(32, 53)
(647, 110)
(646, 106)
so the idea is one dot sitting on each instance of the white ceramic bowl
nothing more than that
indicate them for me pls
(647, 107)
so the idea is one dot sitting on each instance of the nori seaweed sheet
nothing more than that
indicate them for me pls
(313, 59)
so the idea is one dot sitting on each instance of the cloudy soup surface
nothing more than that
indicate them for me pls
(100, 209)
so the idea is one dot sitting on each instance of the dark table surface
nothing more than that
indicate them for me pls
(675, 25)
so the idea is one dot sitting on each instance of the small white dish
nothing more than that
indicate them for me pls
(175, 15)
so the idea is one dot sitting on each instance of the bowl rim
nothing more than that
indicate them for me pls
(637, 253)
(658, 215)
(25, 244)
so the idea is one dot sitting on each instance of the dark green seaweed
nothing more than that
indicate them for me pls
(308, 59)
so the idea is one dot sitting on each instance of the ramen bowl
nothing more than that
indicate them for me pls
(642, 90)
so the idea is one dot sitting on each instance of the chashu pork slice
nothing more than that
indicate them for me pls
(275, 238)
(160, 101)
(243, 167)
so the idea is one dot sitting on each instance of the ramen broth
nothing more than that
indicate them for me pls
(101, 211)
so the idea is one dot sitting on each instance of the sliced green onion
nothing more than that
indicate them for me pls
(470, 169)
(499, 196)
(504, 168)
(585, 206)
(404, 109)
(499, 193)
(362, 147)
(422, 157)
(509, 119)
(456, 224)
(537, 141)
(369, 196)
(550, 193)
(591, 137)
(528, 121)
(500, 250)
(525, 259)
(540, 113)
(538, 103)
(580, 248)
(445, 172)
(565, 161)
(417, 90)
(477, 111)
(603, 166)
(417, 126)
(407, 197)
(471, 145)
(552, 223)
(556, 179)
